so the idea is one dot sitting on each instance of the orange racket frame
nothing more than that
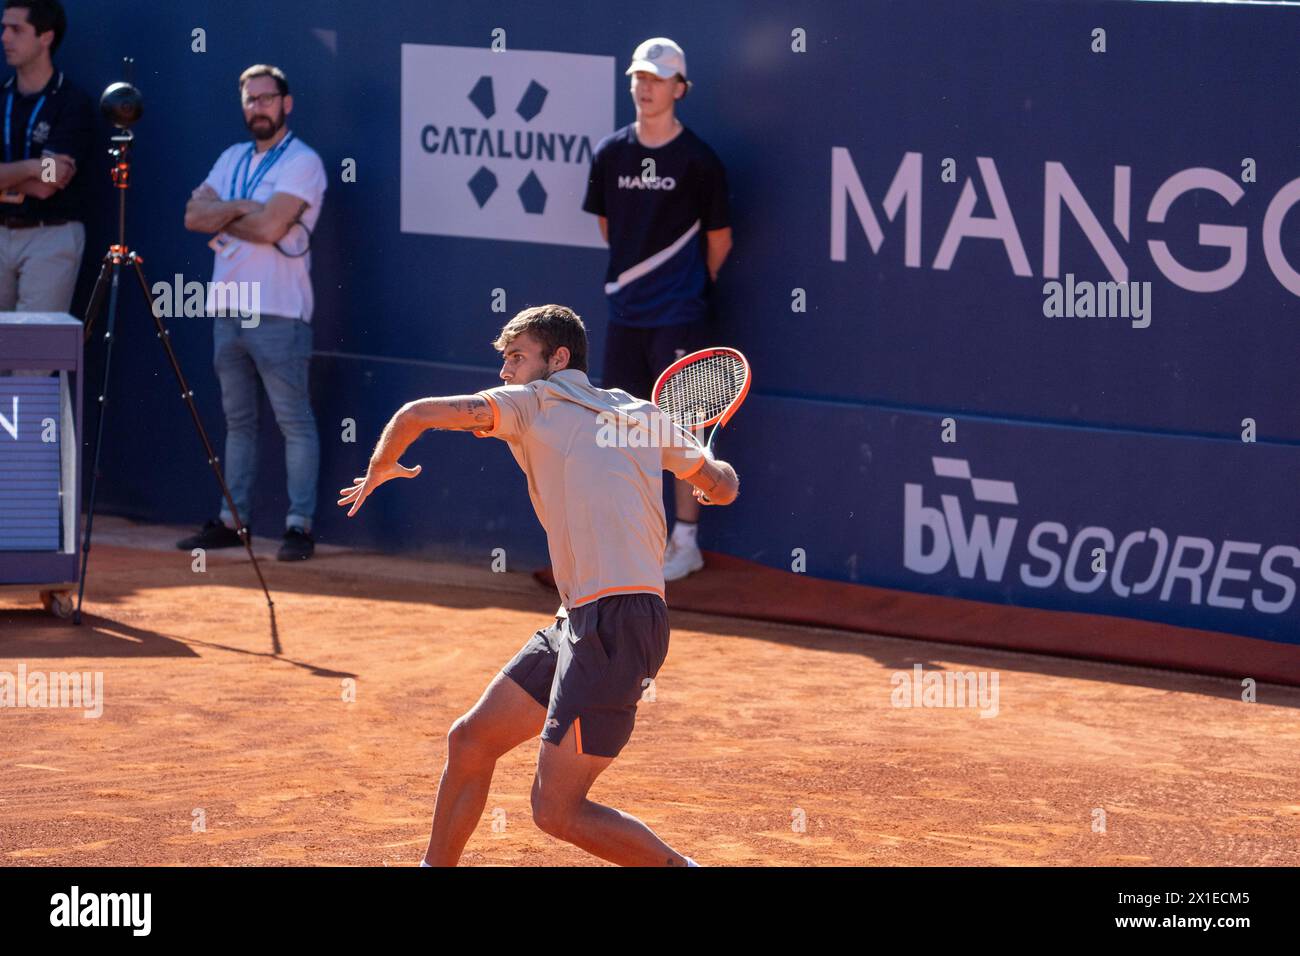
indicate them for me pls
(720, 419)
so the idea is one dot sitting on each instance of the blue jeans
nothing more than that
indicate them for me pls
(279, 351)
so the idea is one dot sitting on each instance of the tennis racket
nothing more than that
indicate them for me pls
(702, 389)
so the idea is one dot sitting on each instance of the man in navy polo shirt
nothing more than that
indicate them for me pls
(661, 195)
(48, 126)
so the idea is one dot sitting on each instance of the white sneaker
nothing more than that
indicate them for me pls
(679, 562)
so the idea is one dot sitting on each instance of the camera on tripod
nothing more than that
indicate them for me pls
(122, 105)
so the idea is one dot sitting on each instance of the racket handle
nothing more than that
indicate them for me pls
(708, 448)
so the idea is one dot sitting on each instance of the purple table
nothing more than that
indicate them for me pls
(40, 454)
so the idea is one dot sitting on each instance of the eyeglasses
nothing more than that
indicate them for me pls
(266, 99)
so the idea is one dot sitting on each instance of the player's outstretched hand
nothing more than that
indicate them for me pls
(375, 476)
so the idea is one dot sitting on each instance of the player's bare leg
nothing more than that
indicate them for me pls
(687, 506)
(561, 808)
(504, 717)
(688, 509)
(682, 553)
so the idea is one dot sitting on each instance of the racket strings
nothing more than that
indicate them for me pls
(700, 392)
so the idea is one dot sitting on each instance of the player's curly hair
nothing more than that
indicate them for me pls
(553, 326)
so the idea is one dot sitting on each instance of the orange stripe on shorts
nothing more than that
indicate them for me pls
(577, 732)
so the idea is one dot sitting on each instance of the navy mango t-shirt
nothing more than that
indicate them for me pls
(658, 274)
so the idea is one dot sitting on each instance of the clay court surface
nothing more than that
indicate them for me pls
(754, 727)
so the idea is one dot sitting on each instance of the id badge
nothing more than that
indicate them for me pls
(227, 247)
(12, 196)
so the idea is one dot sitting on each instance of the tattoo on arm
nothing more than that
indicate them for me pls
(710, 478)
(477, 408)
(714, 478)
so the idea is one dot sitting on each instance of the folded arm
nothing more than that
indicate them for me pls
(36, 189)
(11, 174)
(29, 176)
(270, 221)
(208, 212)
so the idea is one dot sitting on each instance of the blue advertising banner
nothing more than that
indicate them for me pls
(1072, 228)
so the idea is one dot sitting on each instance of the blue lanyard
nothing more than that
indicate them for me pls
(245, 165)
(31, 122)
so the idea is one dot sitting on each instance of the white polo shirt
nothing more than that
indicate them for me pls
(285, 282)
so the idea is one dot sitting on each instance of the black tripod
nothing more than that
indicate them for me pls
(117, 255)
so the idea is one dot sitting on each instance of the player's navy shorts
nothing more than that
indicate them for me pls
(591, 668)
(634, 357)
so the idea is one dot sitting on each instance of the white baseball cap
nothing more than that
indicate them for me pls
(660, 56)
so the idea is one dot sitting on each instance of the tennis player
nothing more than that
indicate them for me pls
(576, 682)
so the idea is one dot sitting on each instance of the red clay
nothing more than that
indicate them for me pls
(755, 728)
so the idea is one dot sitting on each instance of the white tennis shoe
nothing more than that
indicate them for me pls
(679, 561)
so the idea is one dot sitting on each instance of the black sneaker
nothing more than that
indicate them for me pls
(298, 545)
(214, 534)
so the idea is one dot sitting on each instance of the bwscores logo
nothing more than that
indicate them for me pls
(498, 145)
(1179, 568)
